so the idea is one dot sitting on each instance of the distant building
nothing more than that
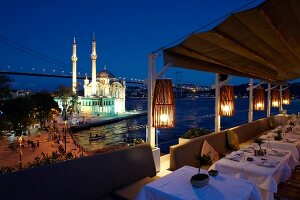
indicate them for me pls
(104, 95)
(20, 93)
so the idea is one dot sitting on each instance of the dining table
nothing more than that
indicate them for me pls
(266, 171)
(289, 141)
(177, 185)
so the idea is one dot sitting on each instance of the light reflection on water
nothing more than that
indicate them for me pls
(189, 114)
(115, 133)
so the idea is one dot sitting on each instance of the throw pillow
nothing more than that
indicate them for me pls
(207, 149)
(272, 122)
(233, 140)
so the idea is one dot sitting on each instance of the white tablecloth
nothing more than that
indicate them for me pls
(293, 147)
(265, 178)
(177, 186)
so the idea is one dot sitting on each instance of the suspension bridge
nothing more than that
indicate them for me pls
(62, 75)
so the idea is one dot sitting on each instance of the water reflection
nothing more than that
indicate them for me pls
(189, 114)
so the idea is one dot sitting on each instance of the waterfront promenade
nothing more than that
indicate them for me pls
(10, 153)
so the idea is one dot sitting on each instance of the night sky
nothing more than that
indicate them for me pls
(126, 31)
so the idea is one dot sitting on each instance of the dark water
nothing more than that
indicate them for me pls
(190, 113)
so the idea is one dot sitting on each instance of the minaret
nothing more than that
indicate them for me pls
(93, 57)
(85, 86)
(74, 71)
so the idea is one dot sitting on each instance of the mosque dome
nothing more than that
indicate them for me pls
(105, 74)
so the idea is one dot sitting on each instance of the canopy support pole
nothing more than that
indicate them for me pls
(217, 103)
(250, 113)
(280, 106)
(150, 133)
(269, 101)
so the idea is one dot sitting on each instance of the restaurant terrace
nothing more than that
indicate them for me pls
(256, 160)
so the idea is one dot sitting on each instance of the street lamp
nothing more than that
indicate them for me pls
(20, 152)
(65, 118)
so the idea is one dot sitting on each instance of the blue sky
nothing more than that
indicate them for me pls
(126, 31)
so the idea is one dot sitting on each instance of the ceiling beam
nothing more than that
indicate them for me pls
(218, 62)
(267, 19)
(230, 40)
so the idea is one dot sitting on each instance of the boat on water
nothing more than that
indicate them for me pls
(96, 137)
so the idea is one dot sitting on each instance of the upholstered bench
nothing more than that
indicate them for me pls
(110, 175)
(185, 154)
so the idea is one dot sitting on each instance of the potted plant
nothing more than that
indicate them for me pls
(193, 133)
(259, 142)
(278, 135)
(200, 180)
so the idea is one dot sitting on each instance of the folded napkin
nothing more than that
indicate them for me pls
(235, 156)
(278, 127)
(278, 154)
(270, 164)
(296, 132)
(247, 149)
(296, 128)
(289, 140)
(265, 137)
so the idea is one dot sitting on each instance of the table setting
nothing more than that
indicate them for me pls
(176, 185)
(282, 138)
(266, 170)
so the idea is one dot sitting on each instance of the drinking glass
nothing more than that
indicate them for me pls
(269, 148)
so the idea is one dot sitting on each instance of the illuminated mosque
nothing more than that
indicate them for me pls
(104, 95)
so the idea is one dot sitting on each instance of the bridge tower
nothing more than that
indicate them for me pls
(74, 71)
(94, 58)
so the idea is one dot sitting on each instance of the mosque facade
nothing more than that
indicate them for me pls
(103, 95)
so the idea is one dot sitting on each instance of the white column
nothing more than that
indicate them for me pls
(150, 137)
(94, 58)
(269, 101)
(280, 106)
(250, 113)
(217, 104)
(74, 70)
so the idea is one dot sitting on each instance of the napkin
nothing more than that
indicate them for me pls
(296, 128)
(247, 149)
(235, 156)
(270, 164)
(289, 140)
(279, 154)
(265, 137)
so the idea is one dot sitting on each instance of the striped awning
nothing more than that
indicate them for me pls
(262, 43)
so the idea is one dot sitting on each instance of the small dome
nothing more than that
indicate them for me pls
(105, 74)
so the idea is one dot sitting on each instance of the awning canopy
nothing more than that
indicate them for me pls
(262, 43)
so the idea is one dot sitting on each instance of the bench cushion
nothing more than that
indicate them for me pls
(130, 191)
(207, 149)
(233, 140)
(272, 122)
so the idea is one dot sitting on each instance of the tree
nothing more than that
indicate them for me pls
(44, 104)
(68, 98)
(19, 113)
(5, 87)
(4, 96)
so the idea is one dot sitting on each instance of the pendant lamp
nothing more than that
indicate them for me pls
(163, 104)
(226, 100)
(259, 99)
(275, 100)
